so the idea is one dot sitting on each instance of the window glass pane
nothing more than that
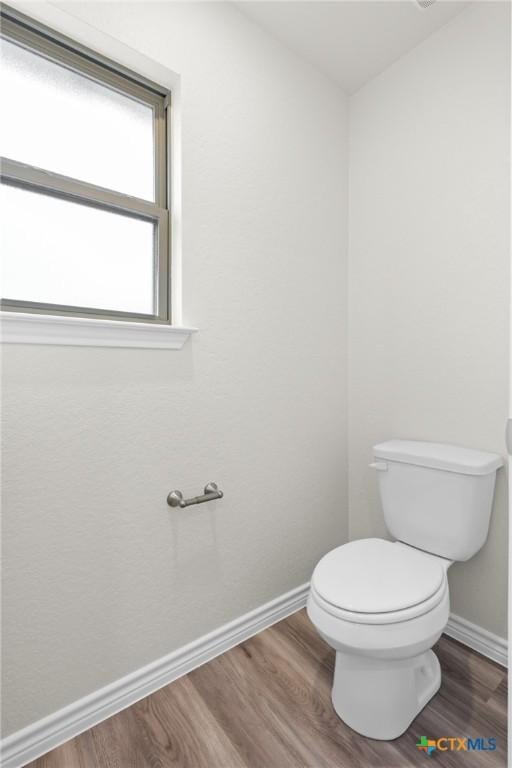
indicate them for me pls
(63, 122)
(61, 252)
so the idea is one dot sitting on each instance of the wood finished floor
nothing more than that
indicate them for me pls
(266, 704)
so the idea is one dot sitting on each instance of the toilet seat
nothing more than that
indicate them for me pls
(373, 581)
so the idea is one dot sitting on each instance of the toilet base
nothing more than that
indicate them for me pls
(380, 698)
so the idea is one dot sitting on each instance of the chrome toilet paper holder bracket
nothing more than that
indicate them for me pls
(211, 492)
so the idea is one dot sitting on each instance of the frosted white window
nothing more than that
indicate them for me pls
(59, 120)
(84, 181)
(74, 254)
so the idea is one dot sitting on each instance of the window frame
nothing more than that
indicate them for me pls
(36, 37)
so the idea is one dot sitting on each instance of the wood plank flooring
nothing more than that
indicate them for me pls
(266, 704)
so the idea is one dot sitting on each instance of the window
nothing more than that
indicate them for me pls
(84, 182)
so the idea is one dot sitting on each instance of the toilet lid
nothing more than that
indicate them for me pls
(376, 576)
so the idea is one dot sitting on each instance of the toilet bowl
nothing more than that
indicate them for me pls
(385, 671)
(382, 605)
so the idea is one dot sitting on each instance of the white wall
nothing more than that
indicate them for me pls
(101, 576)
(429, 272)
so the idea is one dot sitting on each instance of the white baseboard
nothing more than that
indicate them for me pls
(23, 746)
(486, 643)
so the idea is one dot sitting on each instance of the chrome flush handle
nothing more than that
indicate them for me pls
(380, 466)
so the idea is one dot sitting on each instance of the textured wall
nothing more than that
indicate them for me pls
(429, 272)
(101, 576)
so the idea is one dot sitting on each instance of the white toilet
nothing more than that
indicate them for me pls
(382, 605)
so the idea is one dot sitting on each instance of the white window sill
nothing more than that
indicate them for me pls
(24, 328)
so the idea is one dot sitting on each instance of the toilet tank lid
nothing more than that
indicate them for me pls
(451, 458)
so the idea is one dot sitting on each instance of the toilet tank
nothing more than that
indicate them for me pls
(436, 497)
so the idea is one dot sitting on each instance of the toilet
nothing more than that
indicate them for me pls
(383, 604)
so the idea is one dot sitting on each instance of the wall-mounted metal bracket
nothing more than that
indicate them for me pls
(211, 492)
(508, 436)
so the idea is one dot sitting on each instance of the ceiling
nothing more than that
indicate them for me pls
(350, 40)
